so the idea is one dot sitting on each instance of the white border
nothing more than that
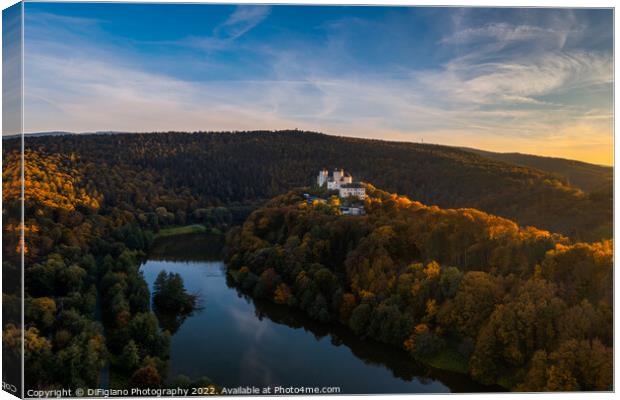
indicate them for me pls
(479, 3)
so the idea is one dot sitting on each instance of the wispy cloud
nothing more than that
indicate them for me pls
(505, 33)
(510, 87)
(241, 21)
(516, 80)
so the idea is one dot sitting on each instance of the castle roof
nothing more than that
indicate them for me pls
(354, 185)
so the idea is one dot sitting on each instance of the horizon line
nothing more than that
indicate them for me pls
(464, 148)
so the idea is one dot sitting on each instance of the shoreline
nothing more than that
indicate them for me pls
(439, 362)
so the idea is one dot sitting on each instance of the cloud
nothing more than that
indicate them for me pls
(518, 80)
(502, 98)
(242, 20)
(88, 95)
(503, 32)
(84, 95)
(508, 65)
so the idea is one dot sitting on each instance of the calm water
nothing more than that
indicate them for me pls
(236, 341)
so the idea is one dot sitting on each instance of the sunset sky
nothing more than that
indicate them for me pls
(535, 81)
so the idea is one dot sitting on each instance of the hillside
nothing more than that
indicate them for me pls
(457, 288)
(95, 202)
(587, 177)
(220, 168)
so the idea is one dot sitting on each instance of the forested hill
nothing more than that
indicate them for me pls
(459, 289)
(219, 168)
(588, 177)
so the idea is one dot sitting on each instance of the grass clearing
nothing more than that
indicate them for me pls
(180, 230)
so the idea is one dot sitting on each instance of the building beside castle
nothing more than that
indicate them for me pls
(353, 189)
(343, 182)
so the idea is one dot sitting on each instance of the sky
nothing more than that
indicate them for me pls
(536, 81)
(11, 69)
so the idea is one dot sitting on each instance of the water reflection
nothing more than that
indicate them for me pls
(188, 247)
(236, 340)
(368, 351)
(169, 321)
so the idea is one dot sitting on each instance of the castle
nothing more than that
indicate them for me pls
(333, 182)
(343, 182)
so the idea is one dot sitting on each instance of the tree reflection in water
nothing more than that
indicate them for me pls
(369, 351)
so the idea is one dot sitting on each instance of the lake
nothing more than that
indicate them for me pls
(237, 341)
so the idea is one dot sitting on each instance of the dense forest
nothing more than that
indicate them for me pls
(94, 204)
(183, 169)
(87, 305)
(457, 288)
(587, 177)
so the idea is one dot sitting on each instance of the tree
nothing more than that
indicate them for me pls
(282, 294)
(169, 294)
(476, 297)
(347, 306)
(41, 310)
(172, 303)
(145, 377)
(360, 318)
(130, 357)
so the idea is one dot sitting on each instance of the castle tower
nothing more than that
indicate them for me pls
(321, 180)
(338, 173)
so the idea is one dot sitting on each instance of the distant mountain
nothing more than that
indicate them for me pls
(231, 167)
(585, 176)
(39, 134)
(61, 133)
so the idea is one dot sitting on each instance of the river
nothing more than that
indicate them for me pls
(237, 341)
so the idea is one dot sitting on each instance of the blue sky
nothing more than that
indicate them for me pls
(531, 80)
(11, 70)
